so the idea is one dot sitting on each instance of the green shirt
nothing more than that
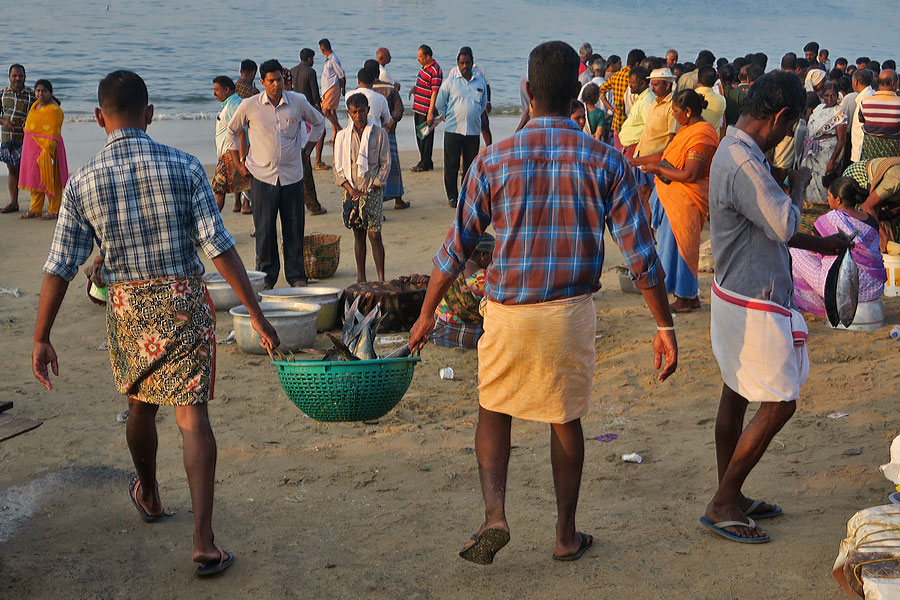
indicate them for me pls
(596, 118)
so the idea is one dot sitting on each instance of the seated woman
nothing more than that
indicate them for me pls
(810, 269)
(459, 323)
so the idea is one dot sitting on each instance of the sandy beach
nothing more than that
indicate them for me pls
(349, 510)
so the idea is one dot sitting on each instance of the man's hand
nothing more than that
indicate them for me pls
(242, 169)
(800, 178)
(835, 244)
(268, 339)
(665, 347)
(42, 355)
(418, 335)
(487, 108)
(430, 117)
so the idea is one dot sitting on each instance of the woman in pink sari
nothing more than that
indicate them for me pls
(43, 170)
(810, 269)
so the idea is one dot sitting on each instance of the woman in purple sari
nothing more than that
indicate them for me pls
(810, 269)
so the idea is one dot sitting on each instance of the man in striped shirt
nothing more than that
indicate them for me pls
(880, 116)
(548, 192)
(428, 82)
(618, 83)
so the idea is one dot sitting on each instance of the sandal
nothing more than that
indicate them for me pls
(9, 208)
(487, 544)
(226, 559)
(30, 215)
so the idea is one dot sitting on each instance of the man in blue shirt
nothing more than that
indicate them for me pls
(460, 101)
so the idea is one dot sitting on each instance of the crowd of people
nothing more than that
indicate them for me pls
(649, 150)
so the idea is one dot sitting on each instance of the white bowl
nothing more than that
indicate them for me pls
(294, 323)
(869, 316)
(326, 297)
(223, 297)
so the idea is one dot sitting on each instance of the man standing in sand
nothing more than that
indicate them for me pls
(245, 86)
(758, 337)
(227, 179)
(305, 82)
(149, 206)
(424, 94)
(334, 82)
(276, 122)
(537, 352)
(15, 102)
(383, 56)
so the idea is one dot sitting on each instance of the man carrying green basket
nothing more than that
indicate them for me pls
(547, 192)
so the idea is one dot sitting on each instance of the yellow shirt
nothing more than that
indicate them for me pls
(659, 124)
(712, 114)
(634, 124)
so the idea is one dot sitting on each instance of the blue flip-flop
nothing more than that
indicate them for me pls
(226, 559)
(763, 515)
(720, 529)
(894, 498)
(145, 516)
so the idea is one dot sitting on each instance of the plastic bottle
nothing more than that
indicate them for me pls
(895, 332)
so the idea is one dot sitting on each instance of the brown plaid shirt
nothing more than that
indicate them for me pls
(618, 83)
(15, 106)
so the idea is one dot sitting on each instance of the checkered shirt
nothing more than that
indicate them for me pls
(15, 106)
(145, 204)
(618, 83)
(548, 192)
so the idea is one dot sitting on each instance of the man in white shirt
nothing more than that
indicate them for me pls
(332, 87)
(276, 122)
(383, 56)
(379, 111)
(862, 82)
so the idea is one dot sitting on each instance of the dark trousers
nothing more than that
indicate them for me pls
(309, 186)
(426, 144)
(456, 146)
(268, 202)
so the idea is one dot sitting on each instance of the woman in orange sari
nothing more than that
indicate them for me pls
(43, 170)
(682, 189)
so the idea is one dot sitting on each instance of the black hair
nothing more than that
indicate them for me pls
(812, 47)
(721, 62)
(224, 81)
(801, 63)
(689, 66)
(848, 191)
(653, 62)
(706, 76)
(754, 72)
(324, 43)
(789, 62)
(760, 59)
(835, 74)
(357, 100)
(466, 51)
(635, 56)
(727, 73)
(639, 72)
(46, 83)
(889, 64)
(688, 98)
(864, 77)
(874, 66)
(123, 93)
(248, 65)
(774, 91)
(705, 58)
(269, 66)
(678, 67)
(306, 54)
(740, 62)
(575, 105)
(553, 75)
(372, 67)
(840, 61)
(830, 87)
(862, 60)
(590, 94)
(845, 85)
(426, 50)
(364, 75)
(16, 66)
(613, 59)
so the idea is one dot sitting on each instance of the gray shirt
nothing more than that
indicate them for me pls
(751, 220)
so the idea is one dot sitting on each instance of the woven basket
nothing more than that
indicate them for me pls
(321, 254)
(357, 390)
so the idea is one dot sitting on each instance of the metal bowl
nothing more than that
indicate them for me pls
(223, 296)
(295, 324)
(328, 298)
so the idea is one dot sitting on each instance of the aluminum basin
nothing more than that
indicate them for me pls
(223, 296)
(294, 323)
(328, 298)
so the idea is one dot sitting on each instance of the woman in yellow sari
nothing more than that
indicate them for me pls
(43, 170)
(682, 189)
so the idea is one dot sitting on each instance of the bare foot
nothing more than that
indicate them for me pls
(718, 514)
(684, 304)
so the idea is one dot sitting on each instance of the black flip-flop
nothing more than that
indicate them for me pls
(586, 542)
(145, 516)
(226, 559)
(487, 544)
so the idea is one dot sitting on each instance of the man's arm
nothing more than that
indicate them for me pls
(435, 88)
(234, 134)
(53, 290)
(384, 160)
(437, 288)
(232, 269)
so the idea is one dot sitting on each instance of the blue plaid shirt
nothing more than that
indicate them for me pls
(548, 192)
(144, 204)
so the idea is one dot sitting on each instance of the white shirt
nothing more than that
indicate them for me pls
(379, 111)
(856, 127)
(277, 135)
(598, 81)
(384, 76)
(332, 73)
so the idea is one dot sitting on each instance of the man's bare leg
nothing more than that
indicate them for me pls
(377, 253)
(319, 145)
(12, 184)
(492, 449)
(742, 453)
(220, 200)
(200, 467)
(359, 252)
(140, 433)
(331, 115)
(567, 458)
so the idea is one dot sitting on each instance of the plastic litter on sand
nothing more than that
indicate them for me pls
(632, 458)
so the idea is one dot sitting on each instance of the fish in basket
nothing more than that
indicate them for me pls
(352, 384)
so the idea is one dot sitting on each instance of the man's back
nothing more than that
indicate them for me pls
(306, 83)
(880, 114)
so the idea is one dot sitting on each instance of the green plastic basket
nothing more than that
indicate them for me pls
(357, 390)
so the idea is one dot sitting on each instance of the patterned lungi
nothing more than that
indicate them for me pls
(455, 335)
(162, 340)
(11, 153)
(878, 147)
(366, 213)
(227, 178)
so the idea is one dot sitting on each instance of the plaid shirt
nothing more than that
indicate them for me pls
(618, 83)
(244, 88)
(548, 191)
(145, 204)
(15, 106)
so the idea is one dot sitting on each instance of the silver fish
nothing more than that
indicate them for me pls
(842, 289)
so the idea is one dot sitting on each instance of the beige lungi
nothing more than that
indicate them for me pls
(536, 361)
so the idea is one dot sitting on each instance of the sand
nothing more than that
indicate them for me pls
(349, 510)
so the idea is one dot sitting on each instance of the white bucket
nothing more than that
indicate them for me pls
(892, 266)
(869, 316)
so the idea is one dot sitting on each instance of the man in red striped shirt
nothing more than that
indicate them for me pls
(880, 116)
(428, 82)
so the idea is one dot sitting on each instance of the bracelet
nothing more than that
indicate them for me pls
(658, 328)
